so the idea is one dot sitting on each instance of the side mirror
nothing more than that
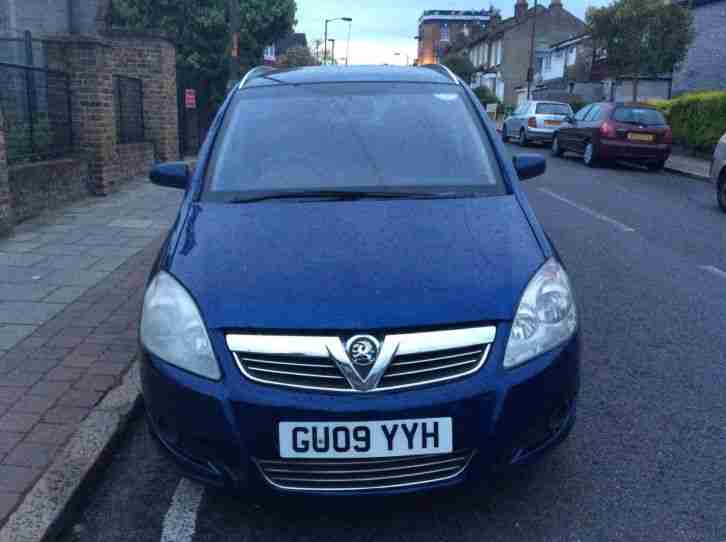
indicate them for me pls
(569, 119)
(529, 165)
(171, 174)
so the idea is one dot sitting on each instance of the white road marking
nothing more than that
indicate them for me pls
(715, 270)
(588, 211)
(180, 521)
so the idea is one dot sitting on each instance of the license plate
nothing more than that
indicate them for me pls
(641, 137)
(553, 122)
(345, 440)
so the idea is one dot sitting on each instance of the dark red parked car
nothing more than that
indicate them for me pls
(616, 131)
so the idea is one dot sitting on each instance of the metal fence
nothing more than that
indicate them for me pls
(36, 104)
(129, 100)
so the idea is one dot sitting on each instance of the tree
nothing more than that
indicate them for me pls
(641, 37)
(460, 65)
(485, 95)
(296, 57)
(202, 34)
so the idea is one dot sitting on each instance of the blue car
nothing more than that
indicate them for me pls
(356, 297)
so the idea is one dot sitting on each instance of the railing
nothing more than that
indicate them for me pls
(129, 101)
(36, 105)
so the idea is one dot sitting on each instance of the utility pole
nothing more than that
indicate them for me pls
(530, 71)
(234, 27)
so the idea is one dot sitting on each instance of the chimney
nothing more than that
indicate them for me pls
(520, 9)
(556, 4)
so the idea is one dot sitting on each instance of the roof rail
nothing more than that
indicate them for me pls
(443, 70)
(257, 71)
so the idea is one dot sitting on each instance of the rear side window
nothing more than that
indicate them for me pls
(639, 115)
(553, 109)
(352, 136)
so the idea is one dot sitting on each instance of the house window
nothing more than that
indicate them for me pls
(499, 52)
(548, 62)
(445, 33)
(571, 55)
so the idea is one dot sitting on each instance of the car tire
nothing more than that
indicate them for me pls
(505, 137)
(523, 141)
(556, 149)
(721, 192)
(656, 166)
(590, 156)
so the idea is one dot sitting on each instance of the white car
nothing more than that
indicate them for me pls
(718, 172)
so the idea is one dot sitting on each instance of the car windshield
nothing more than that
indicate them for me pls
(639, 115)
(352, 136)
(553, 109)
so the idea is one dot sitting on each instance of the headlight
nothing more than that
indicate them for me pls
(546, 316)
(172, 328)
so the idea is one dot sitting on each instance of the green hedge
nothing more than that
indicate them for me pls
(698, 119)
(486, 96)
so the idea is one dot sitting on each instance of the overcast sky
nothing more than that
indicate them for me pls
(382, 27)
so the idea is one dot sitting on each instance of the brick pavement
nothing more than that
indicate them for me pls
(71, 285)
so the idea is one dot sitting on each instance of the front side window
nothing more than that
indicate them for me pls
(358, 136)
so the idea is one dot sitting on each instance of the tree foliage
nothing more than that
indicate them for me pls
(460, 65)
(201, 31)
(641, 37)
(296, 57)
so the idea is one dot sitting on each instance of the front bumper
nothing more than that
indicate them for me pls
(218, 432)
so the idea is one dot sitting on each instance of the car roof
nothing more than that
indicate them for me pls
(351, 74)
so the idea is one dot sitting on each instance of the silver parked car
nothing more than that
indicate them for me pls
(535, 121)
(718, 172)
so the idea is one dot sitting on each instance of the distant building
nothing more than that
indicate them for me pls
(502, 53)
(280, 47)
(705, 65)
(439, 30)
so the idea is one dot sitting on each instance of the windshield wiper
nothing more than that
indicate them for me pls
(347, 195)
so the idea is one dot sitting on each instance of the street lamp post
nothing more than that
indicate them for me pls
(408, 58)
(325, 39)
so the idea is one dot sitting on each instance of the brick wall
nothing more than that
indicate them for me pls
(6, 214)
(703, 68)
(38, 186)
(92, 63)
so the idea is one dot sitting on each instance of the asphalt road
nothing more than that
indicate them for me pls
(647, 459)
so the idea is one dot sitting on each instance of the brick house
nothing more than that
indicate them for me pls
(120, 93)
(705, 65)
(439, 30)
(502, 53)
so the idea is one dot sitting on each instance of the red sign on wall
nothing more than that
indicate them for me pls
(190, 98)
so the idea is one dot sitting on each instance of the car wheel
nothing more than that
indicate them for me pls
(589, 157)
(722, 192)
(656, 166)
(505, 137)
(556, 149)
(523, 141)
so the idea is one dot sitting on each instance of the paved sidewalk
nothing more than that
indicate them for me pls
(694, 167)
(71, 284)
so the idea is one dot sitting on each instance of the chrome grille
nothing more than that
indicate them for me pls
(322, 363)
(433, 366)
(293, 371)
(362, 474)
